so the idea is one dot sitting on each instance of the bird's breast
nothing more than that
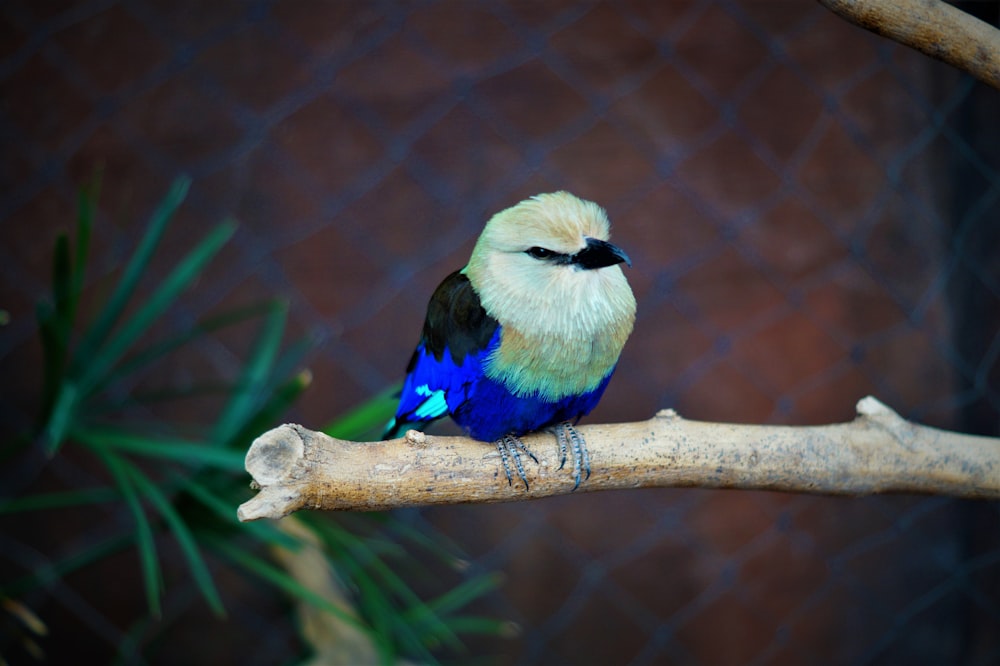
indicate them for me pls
(561, 337)
(554, 366)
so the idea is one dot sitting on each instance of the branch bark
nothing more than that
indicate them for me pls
(933, 27)
(878, 452)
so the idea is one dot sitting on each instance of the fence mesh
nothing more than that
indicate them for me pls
(812, 216)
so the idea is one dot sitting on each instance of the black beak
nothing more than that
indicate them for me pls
(599, 254)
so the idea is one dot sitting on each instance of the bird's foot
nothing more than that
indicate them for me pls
(571, 440)
(510, 448)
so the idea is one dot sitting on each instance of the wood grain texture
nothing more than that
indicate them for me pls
(932, 27)
(877, 452)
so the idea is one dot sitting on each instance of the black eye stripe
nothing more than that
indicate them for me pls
(540, 252)
(551, 256)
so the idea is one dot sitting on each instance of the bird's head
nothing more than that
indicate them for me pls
(547, 265)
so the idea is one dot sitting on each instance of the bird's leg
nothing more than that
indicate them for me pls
(510, 447)
(560, 434)
(571, 440)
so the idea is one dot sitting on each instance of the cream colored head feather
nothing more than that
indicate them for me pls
(563, 326)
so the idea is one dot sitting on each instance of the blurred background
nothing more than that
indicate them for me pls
(813, 215)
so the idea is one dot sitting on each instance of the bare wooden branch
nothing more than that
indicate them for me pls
(932, 27)
(878, 452)
(334, 638)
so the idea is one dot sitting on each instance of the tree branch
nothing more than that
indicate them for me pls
(933, 27)
(877, 452)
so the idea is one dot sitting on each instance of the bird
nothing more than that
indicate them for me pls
(527, 335)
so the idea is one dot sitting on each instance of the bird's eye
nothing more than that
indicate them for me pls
(540, 253)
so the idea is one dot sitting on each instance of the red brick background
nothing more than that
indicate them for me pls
(812, 215)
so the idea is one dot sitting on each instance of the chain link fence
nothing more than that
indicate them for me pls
(812, 213)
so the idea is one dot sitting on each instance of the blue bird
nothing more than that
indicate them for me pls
(527, 335)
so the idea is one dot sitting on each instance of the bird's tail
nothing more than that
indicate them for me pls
(393, 429)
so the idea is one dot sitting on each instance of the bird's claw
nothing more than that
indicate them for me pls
(510, 448)
(571, 440)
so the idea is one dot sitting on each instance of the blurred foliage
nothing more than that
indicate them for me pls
(185, 482)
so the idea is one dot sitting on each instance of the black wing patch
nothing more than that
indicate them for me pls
(458, 325)
(456, 321)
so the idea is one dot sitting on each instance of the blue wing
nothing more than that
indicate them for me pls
(435, 387)
(457, 336)
(485, 408)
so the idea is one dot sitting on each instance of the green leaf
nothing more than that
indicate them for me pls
(61, 417)
(282, 580)
(160, 300)
(178, 450)
(186, 541)
(151, 576)
(291, 360)
(223, 508)
(54, 353)
(277, 403)
(366, 418)
(373, 578)
(378, 609)
(356, 540)
(487, 626)
(126, 286)
(138, 360)
(254, 378)
(436, 544)
(461, 595)
(375, 604)
(55, 321)
(46, 574)
(62, 290)
(54, 326)
(107, 403)
(57, 500)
